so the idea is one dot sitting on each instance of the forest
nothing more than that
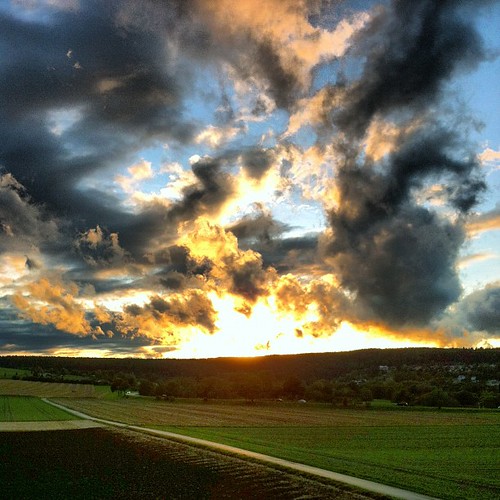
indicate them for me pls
(407, 377)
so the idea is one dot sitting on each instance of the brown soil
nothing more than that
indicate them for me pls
(120, 464)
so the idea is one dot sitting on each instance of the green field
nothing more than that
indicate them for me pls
(12, 372)
(443, 453)
(28, 409)
(440, 460)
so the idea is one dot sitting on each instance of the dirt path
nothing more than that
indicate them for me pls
(315, 471)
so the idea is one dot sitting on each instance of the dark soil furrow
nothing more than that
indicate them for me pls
(119, 464)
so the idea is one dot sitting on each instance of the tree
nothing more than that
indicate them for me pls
(147, 388)
(467, 398)
(436, 398)
(293, 388)
(250, 386)
(490, 399)
(319, 390)
(119, 385)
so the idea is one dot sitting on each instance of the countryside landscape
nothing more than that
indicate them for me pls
(249, 249)
(426, 422)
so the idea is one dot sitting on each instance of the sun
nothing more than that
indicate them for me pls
(267, 331)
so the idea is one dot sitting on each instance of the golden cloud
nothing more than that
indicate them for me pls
(487, 221)
(286, 24)
(164, 316)
(54, 303)
(232, 270)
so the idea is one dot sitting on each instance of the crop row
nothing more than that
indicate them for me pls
(45, 389)
(142, 411)
(117, 464)
(29, 409)
(438, 453)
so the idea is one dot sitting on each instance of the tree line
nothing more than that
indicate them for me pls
(413, 376)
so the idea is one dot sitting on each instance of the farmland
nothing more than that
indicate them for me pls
(104, 463)
(448, 453)
(13, 372)
(29, 409)
(45, 389)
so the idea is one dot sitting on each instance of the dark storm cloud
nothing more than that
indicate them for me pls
(180, 268)
(481, 309)
(23, 225)
(398, 257)
(478, 312)
(213, 188)
(264, 234)
(411, 49)
(116, 93)
(291, 254)
(257, 161)
(283, 82)
(248, 279)
(262, 227)
(401, 267)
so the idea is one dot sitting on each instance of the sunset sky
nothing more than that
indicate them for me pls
(201, 178)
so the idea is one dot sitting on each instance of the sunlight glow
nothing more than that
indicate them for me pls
(266, 332)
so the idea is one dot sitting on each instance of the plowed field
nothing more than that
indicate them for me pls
(117, 464)
(445, 454)
(140, 411)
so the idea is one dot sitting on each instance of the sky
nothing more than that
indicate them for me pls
(201, 178)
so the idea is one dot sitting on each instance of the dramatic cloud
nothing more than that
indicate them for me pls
(97, 248)
(411, 50)
(396, 255)
(277, 175)
(232, 269)
(482, 309)
(162, 317)
(24, 226)
(56, 303)
(477, 314)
